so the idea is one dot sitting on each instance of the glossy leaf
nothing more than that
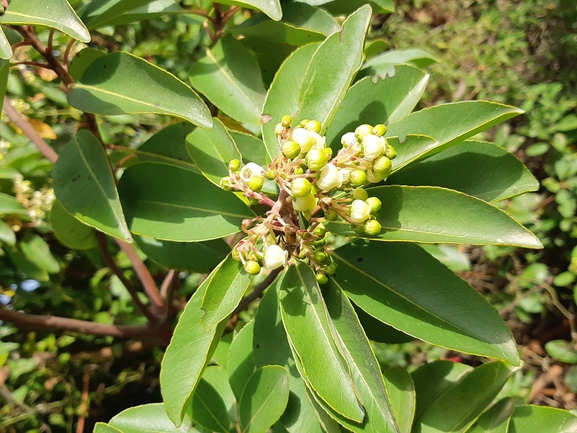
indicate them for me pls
(7, 235)
(208, 408)
(384, 64)
(101, 427)
(251, 148)
(147, 418)
(448, 124)
(402, 394)
(282, 97)
(217, 377)
(70, 231)
(438, 215)
(57, 14)
(562, 350)
(480, 169)
(25, 266)
(169, 147)
(187, 355)
(305, 319)
(211, 150)
(230, 78)
(347, 6)
(332, 69)
(38, 252)
(364, 366)
(82, 60)
(474, 392)
(270, 7)
(5, 52)
(432, 379)
(403, 286)
(537, 419)
(170, 203)
(224, 293)
(10, 206)
(386, 101)
(241, 363)
(264, 399)
(495, 419)
(84, 185)
(121, 83)
(200, 257)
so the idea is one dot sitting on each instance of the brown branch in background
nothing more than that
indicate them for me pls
(83, 409)
(257, 292)
(167, 283)
(36, 64)
(49, 48)
(66, 56)
(118, 272)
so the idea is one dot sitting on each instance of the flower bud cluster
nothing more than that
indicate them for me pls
(311, 182)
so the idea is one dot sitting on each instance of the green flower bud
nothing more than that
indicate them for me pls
(328, 152)
(375, 176)
(303, 255)
(252, 267)
(307, 203)
(304, 138)
(298, 170)
(225, 183)
(322, 278)
(256, 183)
(390, 152)
(303, 122)
(316, 159)
(313, 125)
(253, 201)
(374, 203)
(286, 121)
(379, 130)
(332, 216)
(382, 164)
(360, 194)
(321, 256)
(320, 243)
(358, 177)
(291, 149)
(320, 231)
(301, 187)
(330, 269)
(362, 131)
(372, 228)
(270, 174)
(235, 255)
(234, 165)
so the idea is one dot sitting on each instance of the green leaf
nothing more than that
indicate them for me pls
(217, 377)
(211, 150)
(187, 355)
(474, 392)
(100, 427)
(147, 418)
(537, 419)
(496, 419)
(402, 394)
(241, 362)
(364, 366)
(38, 252)
(384, 64)
(251, 148)
(25, 266)
(419, 296)
(10, 206)
(385, 101)
(437, 215)
(7, 235)
(561, 350)
(121, 83)
(170, 203)
(301, 25)
(332, 68)
(304, 316)
(337, 7)
(480, 169)
(270, 7)
(208, 408)
(282, 97)
(57, 14)
(84, 185)
(432, 379)
(224, 292)
(200, 257)
(264, 399)
(5, 53)
(82, 60)
(448, 124)
(70, 231)
(230, 78)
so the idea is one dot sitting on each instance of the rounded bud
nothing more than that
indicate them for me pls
(330, 269)
(306, 203)
(291, 149)
(359, 194)
(313, 125)
(253, 201)
(328, 152)
(301, 187)
(250, 170)
(379, 130)
(373, 146)
(275, 256)
(359, 211)
(252, 267)
(271, 174)
(303, 122)
(235, 255)
(234, 165)
(382, 164)
(374, 176)
(320, 243)
(362, 131)
(372, 227)
(358, 177)
(298, 170)
(304, 138)
(278, 129)
(322, 278)
(348, 139)
(321, 256)
(256, 183)
(316, 159)
(332, 216)
(225, 183)
(375, 204)
(286, 121)
(320, 231)
(390, 152)
(329, 178)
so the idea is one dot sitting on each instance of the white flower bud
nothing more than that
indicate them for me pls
(320, 141)
(373, 146)
(302, 204)
(374, 177)
(360, 211)
(329, 178)
(345, 175)
(275, 256)
(304, 138)
(250, 170)
(348, 139)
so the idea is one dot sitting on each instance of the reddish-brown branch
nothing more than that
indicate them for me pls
(66, 56)
(257, 292)
(36, 64)
(84, 401)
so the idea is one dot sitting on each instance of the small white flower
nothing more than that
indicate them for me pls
(348, 139)
(345, 173)
(304, 138)
(373, 146)
(320, 141)
(250, 170)
(360, 211)
(308, 202)
(274, 257)
(329, 178)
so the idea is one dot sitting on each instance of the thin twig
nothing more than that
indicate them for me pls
(37, 64)
(168, 280)
(570, 317)
(257, 292)
(84, 401)
(50, 40)
(67, 53)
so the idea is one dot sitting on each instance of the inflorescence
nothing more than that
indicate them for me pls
(314, 187)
